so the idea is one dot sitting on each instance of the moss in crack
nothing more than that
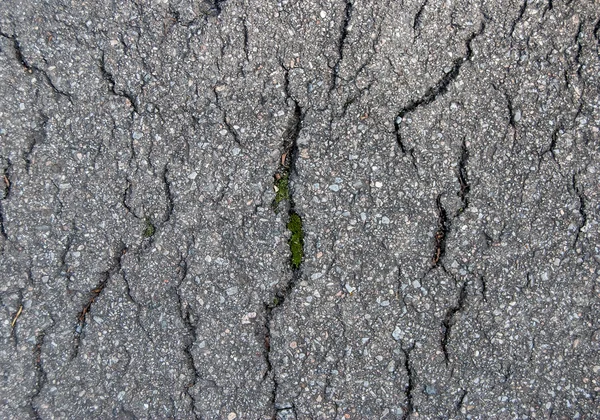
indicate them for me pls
(296, 241)
(150, 229)
(282, 190)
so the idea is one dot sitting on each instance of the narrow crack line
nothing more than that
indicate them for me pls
(582, 210)
(519, 17)
(33, 68)
(450, 319)
(440, 234)
(597, 31)
(417, 21)
(341, 43)
(41, 377)
(439, 89)
(81, 323)
(6, 178)
(126, 197)
(463, 178)
(226, 122)
(246, 40)
(168, 195)
(461, 399)
(579, 48)
(408, 391)
(190, 325)
(15, 318)
(108, 76)
(39, 136)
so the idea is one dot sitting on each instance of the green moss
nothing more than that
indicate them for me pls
(296, 241)
(149, 230)
(283, 190)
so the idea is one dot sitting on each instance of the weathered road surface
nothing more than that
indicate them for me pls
(432, 250)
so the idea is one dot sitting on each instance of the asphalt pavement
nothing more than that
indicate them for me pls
(240, 209)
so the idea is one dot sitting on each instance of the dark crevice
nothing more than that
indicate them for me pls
(449, 320)
(190, 325)
(582, 210)
(126, 197)
(518, 18)
(246, 41)
(463, 179)
(41, 378)
(440, 234)
(417, 21)
(483, 288)
(439, 89)
(168, 195)
(551, 146)
(597, 31)
(93, 295)
(408, 391)
(6, 189)
(33, 68)
(579, 48)
(286, 170)
(461, 399)
(341, 43)
(108, 76)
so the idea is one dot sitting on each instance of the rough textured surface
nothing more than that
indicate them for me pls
(441, 159)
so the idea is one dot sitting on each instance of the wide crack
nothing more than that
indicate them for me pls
(410, 386)
(284, 197)
(440, 234)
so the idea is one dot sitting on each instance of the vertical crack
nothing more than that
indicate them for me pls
(41, 377)
(463, 179)
(582, 210)
(408, 391)
(6, 190)
(226, 122)
(440, 234)
(168, 195)
(108, 76)
(449, 320)
(284, 196)
(518, 18)
(417, 21)
(439, 89)
(93, 295)
(341, 44)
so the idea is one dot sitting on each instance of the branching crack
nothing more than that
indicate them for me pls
(93, 295)
(33, 68)
(551, 146)
(341, 44)
(449, 320)
(439, 89)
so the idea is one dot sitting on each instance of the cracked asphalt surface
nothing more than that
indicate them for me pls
(441, 167)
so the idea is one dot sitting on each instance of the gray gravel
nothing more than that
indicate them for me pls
(444, 160)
